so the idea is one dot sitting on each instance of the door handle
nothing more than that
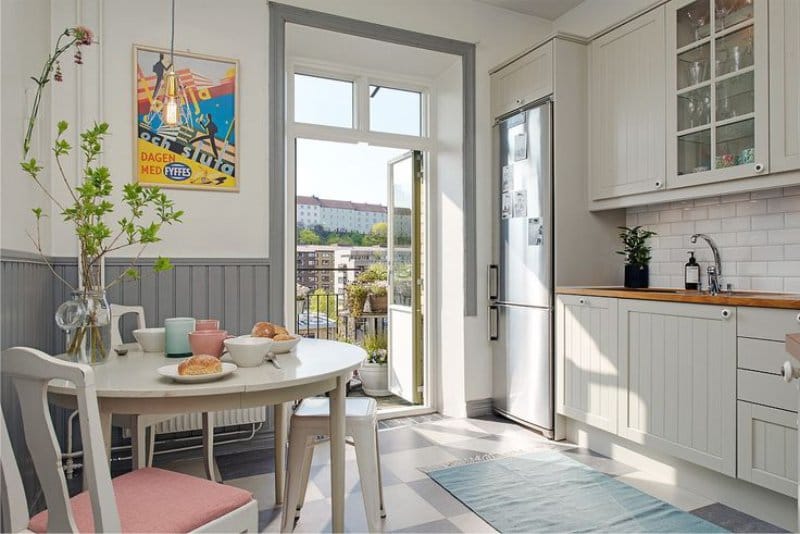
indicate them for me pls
(494, 323)
(492, 281)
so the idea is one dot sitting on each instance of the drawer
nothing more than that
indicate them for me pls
(767, 447)
(769, 390)
(767, 323)
(761, 355)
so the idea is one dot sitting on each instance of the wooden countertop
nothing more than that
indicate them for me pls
(736, 298)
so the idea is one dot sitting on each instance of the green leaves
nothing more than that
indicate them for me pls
(636, 250)
(38, 213)
(32, 167)
(162, 264)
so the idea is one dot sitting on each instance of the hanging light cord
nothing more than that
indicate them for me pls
(172, 39)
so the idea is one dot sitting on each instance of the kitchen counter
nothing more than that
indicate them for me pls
(736, 298)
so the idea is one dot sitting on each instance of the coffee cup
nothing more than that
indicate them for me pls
(208, 342)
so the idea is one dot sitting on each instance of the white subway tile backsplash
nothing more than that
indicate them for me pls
(758, 235)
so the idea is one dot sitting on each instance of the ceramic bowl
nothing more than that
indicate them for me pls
(248, 351)
(281, 347)
(150, 339)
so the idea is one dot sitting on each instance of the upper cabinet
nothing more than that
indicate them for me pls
(627, 93)
(718, 104)
(526, 80)
(784, 53)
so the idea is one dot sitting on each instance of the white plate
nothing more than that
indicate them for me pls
(171, 371)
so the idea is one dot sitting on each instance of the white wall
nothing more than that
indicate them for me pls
(593, 16)
(25, 45)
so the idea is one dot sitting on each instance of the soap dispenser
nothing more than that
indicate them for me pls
(692, 273)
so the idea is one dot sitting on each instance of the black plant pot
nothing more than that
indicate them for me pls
(637, 276)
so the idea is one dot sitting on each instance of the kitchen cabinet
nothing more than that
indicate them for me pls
(677, 369)
(784, 84)
(523, 81)
(767, 439)
(627, 100)
(586, 356)
(718, 105)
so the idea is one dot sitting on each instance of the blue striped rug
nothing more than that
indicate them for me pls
(545, 491)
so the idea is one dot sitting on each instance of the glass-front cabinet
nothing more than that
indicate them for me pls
(717, 106)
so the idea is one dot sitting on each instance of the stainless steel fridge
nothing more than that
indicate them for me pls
(521, 284)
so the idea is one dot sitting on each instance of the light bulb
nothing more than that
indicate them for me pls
(171, 113)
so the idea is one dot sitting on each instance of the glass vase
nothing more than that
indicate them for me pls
(86, 318)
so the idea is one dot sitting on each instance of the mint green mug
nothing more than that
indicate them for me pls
(177, 336)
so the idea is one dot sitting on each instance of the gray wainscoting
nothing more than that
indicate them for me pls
(236, 291)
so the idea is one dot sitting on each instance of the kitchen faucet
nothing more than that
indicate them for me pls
(714, 271)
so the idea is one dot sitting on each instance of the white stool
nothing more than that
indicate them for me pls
(312, 420)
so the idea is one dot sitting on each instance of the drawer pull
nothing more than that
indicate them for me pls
(582, 301)
(726, 313)
(798, 318)
(789, 372)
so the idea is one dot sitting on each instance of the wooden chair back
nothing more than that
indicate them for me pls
(117, 311)
(31, 370)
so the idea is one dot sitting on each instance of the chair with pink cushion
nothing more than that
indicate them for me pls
(145, 500)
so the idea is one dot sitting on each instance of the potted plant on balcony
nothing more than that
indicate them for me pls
(369, 291)
(374, 372)
(637, 255)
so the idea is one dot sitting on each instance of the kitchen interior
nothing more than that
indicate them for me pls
(633, 358)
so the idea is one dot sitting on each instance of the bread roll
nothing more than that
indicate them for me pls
(263, 329)
(283, 337)
(200, 364)
(281, 330)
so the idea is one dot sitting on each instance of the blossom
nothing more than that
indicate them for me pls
(83, 35)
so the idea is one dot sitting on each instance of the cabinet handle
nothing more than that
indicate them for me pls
(758, 167)
(789, 372)
(659, 184)
(494, 325)
(520, 100)
(726, 313)
(798, 318)
(492, 282)
(582, 301)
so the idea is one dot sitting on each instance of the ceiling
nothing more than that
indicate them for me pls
(546, 9)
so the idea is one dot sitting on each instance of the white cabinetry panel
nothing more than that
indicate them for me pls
(784, 80)
(524, 81)
(768, 447)
(677, 370)
(587, 374)
(627, 100)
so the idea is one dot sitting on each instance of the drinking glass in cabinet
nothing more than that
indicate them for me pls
(693, 66)
(694, 108)
(729, 13)
(735, 96)
(693, 22)
(694, 152)
(734, 51)
(735, 144)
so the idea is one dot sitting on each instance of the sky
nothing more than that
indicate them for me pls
(345, 171)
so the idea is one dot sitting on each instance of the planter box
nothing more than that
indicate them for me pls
(375, 379)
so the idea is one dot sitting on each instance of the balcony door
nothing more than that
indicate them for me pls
(404, 241)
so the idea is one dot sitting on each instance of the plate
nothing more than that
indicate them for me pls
(171, 371)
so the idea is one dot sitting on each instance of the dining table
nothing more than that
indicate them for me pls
(131, 385)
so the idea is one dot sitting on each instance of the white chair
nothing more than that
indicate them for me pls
(144, 500)
(143, 435)
(312, 420)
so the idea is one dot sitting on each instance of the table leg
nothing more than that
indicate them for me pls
(105, 426)
(138, 442)
(337, 421)
(208, 445)
(281, 420)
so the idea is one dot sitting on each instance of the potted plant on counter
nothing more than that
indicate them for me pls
(374, 371)
(637, 255)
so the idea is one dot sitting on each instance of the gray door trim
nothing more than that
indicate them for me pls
(279, 15)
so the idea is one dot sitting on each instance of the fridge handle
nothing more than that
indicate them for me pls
(492, 281)
(494, 323)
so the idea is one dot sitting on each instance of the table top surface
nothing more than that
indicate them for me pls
(136, 373)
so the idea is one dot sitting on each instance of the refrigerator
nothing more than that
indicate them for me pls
(521, 292)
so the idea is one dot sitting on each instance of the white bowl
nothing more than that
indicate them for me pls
(150, 339)
(248, 351)
(281, 347)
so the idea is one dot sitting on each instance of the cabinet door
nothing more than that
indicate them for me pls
(526, 80)
(718, 91)
(784, 84)
(677, 371)
(627, 100)
(767, 441)
(586, 355)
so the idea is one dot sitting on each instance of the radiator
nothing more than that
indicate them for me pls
(194, 421)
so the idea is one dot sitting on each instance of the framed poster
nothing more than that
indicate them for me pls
(200, 152)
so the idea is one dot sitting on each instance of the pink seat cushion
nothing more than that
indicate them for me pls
(155, 500)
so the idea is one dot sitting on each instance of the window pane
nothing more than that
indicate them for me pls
(395, 111)
(323, 101)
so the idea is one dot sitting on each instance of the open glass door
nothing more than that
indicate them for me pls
(404, 240)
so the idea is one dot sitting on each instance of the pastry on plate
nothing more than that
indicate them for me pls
(200, 364)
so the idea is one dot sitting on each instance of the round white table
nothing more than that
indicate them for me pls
(131, 385)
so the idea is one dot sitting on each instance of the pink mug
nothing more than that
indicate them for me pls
(206, 324)
(208, 342)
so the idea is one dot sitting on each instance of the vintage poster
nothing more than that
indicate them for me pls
(505, 208)
(520, 208)
(508, 177)
(201, 151)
